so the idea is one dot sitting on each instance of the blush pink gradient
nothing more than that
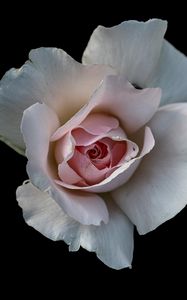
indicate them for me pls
(94, 156)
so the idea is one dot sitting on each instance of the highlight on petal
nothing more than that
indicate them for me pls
(158, 189)
(170, 75)
(38, 124)
(132, 47)
(50, 76)
(113, 243)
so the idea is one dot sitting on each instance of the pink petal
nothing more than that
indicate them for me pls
(38, 124)
(64, 148)
(67, 174)
(82, 165)
(118, 152)
(99, 124)
(83, 138)
(122, 174)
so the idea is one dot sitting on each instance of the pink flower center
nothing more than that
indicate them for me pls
(97, 151)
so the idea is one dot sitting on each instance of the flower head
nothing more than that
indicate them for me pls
(103, 155)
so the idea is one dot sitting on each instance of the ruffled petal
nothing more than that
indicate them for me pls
(132, 47)
(158, 189)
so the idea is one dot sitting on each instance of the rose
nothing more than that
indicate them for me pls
(88, 133)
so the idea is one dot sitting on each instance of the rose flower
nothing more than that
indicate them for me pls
(104, 150)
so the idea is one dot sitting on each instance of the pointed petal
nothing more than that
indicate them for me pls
(158, 189)
(132, 47)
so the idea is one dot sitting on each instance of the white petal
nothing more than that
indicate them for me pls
(170, 75)
(69, 84)
(38, 124)
(132, 47)
(113, 243)
(50, 76)
(45, 215)
(158, 189)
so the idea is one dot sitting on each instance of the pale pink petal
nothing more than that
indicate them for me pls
(98, 162)
(118, 152)
(122, 174)
(82, 165)
(64, 148)
(67, 174)
(99, 124)
(38, 124)
(83, 138)
(117, 97)
(157, 191)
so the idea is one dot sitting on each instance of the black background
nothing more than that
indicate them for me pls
(30, 259)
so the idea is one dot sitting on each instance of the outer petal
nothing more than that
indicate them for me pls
(50, 76)
(132, 47)
(38, 124)
(113, 243)
(45, 215)
(170, 75)
(158, 190)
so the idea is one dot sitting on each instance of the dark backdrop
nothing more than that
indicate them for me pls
(29, 257)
